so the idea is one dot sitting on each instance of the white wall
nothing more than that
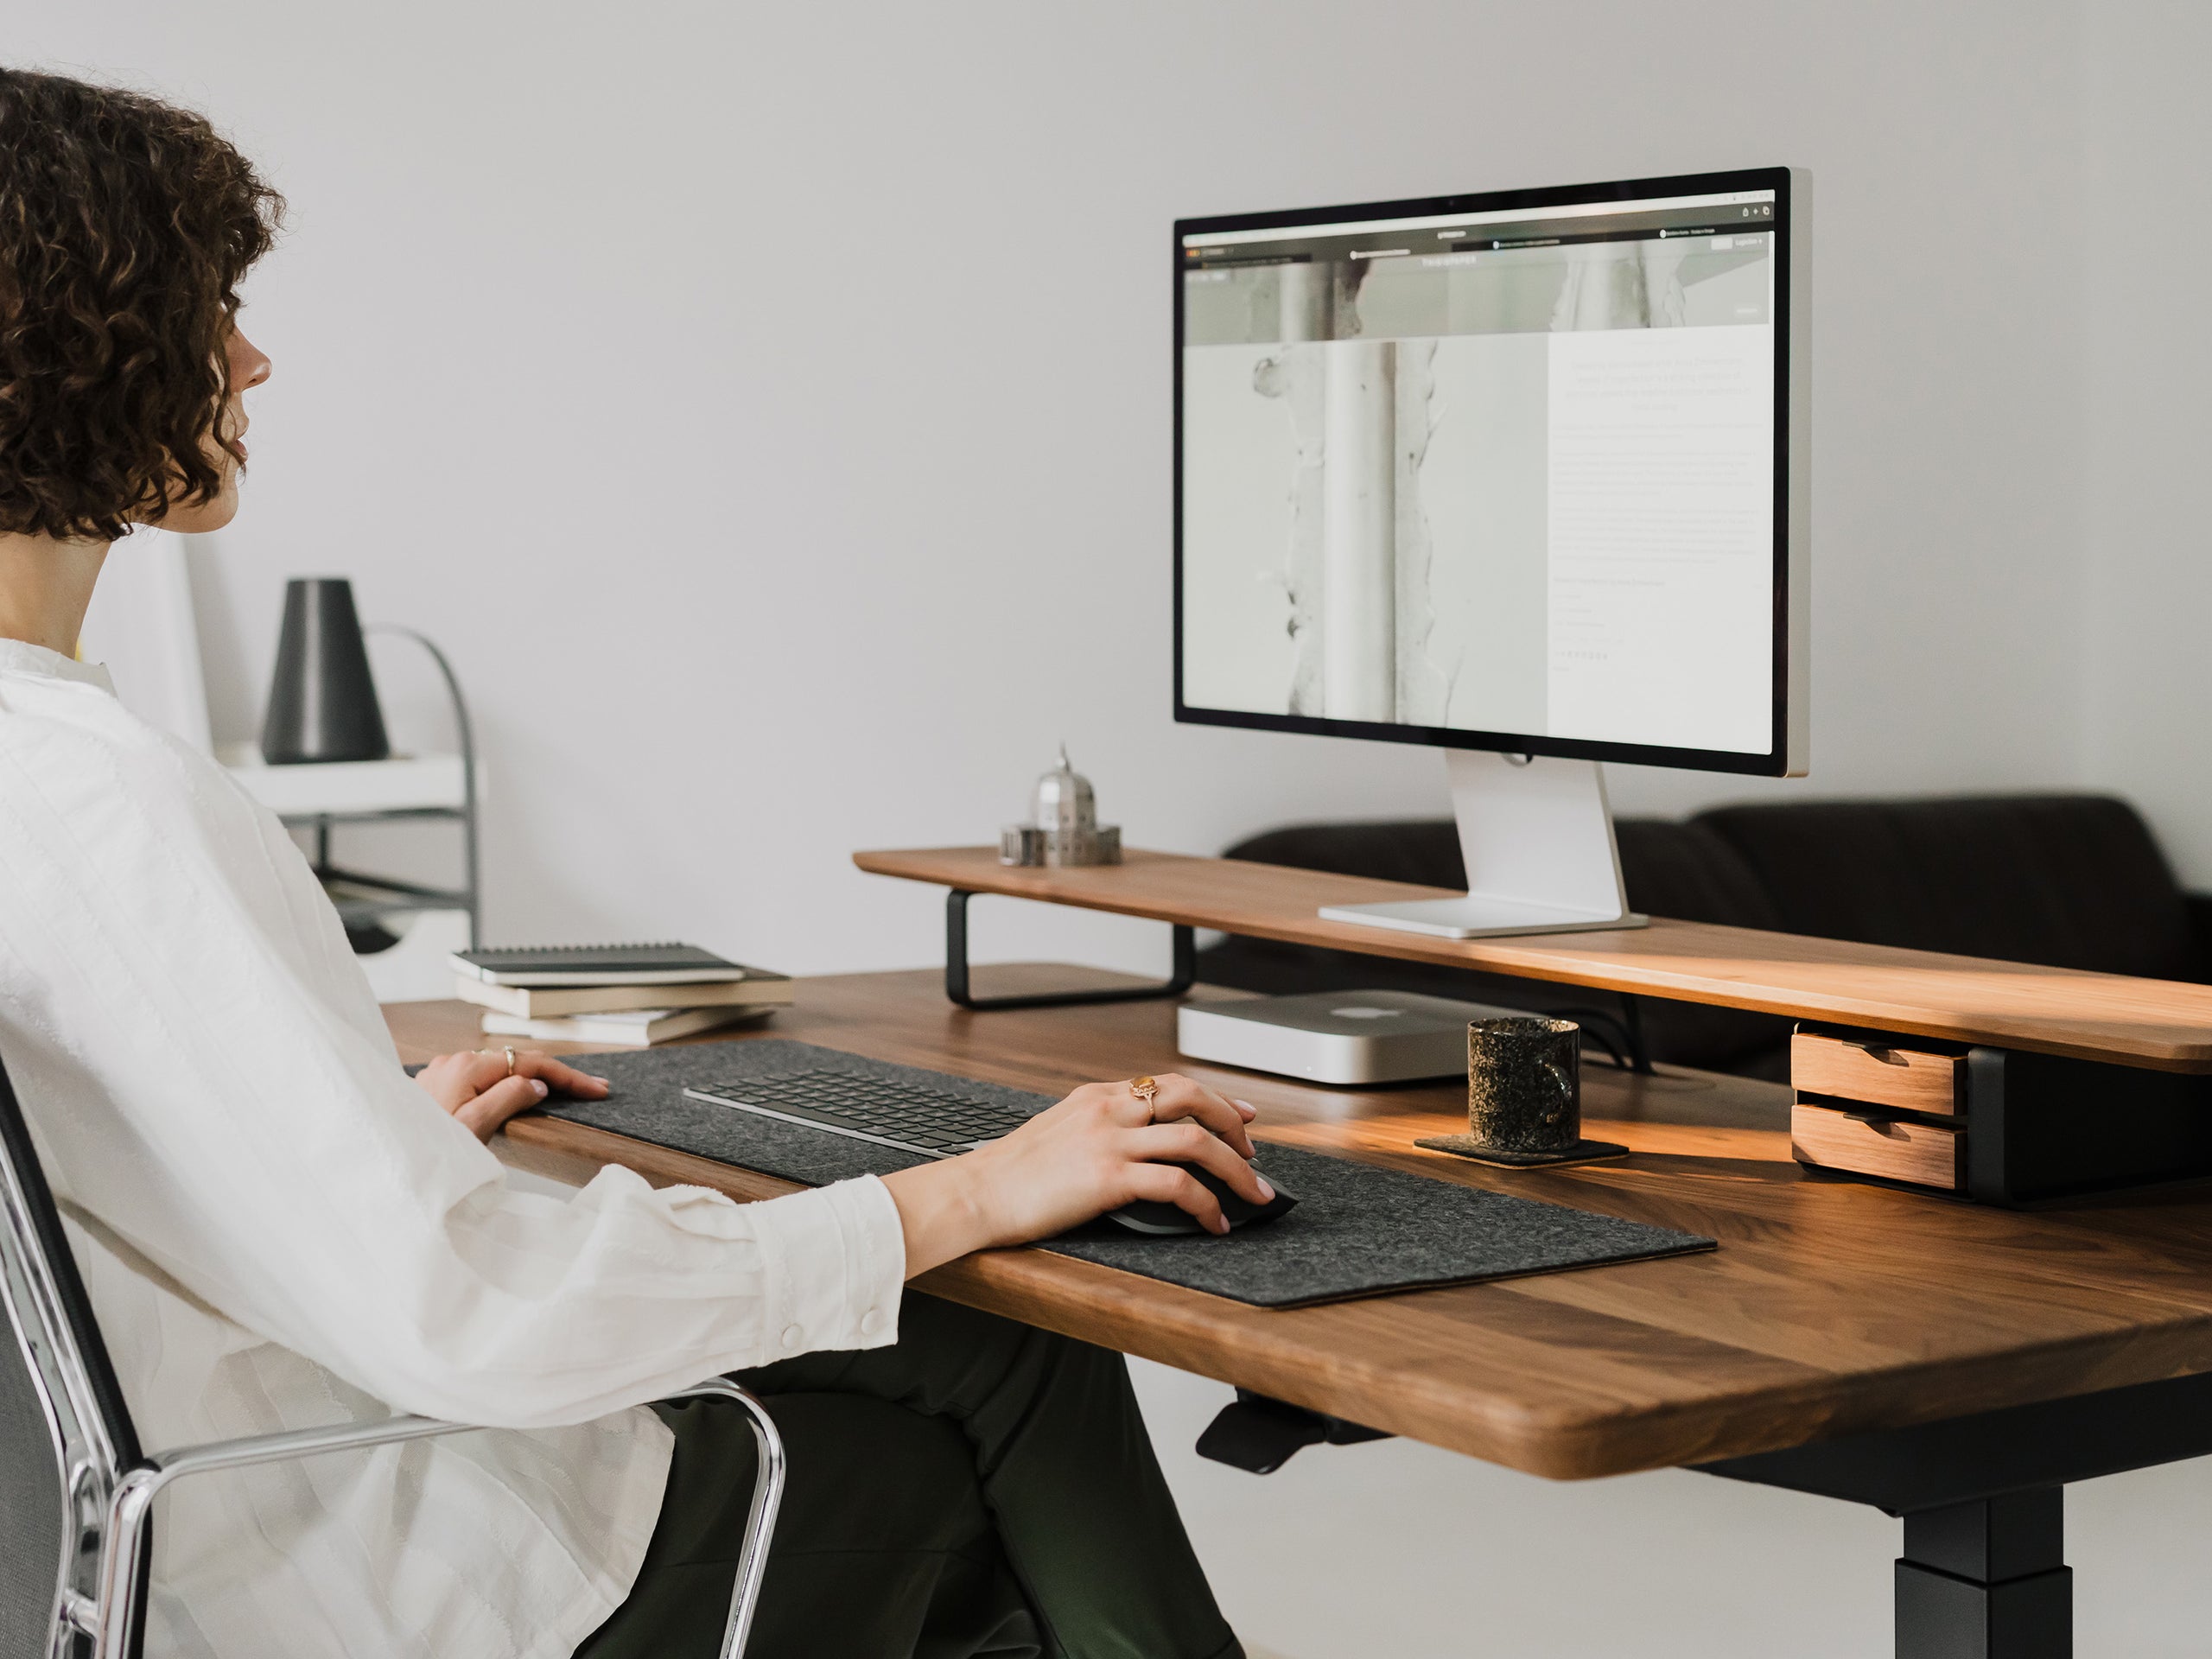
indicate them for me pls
(2145, 566)
(768, 409)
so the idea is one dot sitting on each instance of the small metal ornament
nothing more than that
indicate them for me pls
(1062, 826)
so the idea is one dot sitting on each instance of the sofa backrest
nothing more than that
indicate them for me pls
(1425, 851)
(1671, 869)
(2066, 880)
(1684, 870)
(2070, 880)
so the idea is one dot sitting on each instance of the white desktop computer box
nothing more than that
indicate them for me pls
(1349, 1037)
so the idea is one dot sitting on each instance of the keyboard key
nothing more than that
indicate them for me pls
(942, 1124)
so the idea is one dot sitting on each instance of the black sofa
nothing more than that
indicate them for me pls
(2065, 881)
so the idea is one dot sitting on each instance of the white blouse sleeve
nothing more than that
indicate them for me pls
(212, 1081)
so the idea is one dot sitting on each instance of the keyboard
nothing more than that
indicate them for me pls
(937, 1123)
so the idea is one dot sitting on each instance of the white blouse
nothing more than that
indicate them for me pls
(279, 1230)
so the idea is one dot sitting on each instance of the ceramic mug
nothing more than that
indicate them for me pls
(1524, 1083)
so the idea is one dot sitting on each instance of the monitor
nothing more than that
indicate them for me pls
(1520, 475)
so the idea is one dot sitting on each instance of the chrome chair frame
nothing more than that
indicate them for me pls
(108, 1485)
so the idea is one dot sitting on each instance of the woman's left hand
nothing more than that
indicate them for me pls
(479, 1089)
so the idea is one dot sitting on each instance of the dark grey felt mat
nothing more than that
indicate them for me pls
(1358, 1230)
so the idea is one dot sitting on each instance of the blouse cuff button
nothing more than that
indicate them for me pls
(871, 1321)
(792, 1337)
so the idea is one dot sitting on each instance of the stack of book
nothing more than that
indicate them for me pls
(630, 994)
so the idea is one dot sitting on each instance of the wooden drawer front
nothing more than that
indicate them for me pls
(1911, 1079)
(1927, 1154)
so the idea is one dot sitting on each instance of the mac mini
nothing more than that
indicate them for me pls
(1335, 1036)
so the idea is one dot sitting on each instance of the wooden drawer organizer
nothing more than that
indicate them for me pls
(1874, 1106)
(1931, 1079)
(1878, 1143)
(1999, 1126)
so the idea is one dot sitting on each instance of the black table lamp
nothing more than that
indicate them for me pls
(322, 704)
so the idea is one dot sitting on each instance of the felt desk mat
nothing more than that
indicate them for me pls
(1359, 1230)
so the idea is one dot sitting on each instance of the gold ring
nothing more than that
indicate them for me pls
(510, 1061)
(1144, 1088)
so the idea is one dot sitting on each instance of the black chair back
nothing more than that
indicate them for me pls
(61, 1409)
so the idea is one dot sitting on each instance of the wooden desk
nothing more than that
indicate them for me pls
(1832, 1313)
(2161, 1025)
(1830, 1306)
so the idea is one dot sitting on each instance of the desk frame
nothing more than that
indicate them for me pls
(1983, 1574)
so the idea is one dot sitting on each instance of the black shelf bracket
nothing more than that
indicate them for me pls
(1639, 1053)
(1185, 976)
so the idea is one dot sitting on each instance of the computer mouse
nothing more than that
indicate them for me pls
(1148, 1216)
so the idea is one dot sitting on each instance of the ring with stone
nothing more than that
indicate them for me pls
(510, 1061)
(1144, 1088)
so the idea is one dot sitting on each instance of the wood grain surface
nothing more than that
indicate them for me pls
(1913, 1080)
(2162, 1023)
(1830, 1307)
(1896, 1149)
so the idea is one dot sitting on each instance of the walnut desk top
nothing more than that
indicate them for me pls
(1830, 1307)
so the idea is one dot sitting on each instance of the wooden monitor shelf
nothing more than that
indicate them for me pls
(2160, 1024)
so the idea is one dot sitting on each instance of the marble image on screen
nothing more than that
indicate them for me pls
(1519, 492)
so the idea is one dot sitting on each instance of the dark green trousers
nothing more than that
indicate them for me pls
(983, 1488)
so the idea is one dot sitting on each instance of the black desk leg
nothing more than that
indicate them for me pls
(956, 970)
(1986, 1579)
(1982, 1497)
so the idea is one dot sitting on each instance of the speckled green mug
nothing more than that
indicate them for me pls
(1524, 1083)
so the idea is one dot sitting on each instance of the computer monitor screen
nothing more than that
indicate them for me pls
(1506, 472)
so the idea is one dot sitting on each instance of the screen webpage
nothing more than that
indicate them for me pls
(1500, 472)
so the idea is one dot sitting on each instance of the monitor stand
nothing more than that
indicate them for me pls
(1538, 839)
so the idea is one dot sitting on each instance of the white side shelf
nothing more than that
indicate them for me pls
(407, 783)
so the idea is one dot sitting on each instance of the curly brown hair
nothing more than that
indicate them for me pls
(125, 226)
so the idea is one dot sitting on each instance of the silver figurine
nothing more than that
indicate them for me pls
(1062, 826)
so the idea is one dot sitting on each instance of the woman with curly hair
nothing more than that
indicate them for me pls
(279, 1229)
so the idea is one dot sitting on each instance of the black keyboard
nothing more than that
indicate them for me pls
(882, 1109)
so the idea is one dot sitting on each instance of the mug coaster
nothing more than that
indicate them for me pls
(1465, 1146)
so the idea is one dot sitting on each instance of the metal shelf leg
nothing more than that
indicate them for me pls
(955, 972)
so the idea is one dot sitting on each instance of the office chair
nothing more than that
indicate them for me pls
(76, 1492)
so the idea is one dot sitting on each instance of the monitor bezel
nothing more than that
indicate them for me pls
(1784, 755)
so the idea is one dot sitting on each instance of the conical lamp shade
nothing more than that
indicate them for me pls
(322, 704)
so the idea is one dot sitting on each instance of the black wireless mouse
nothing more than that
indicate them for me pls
(1146, 1215)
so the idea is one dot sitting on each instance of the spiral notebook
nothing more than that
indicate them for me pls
(662, 963)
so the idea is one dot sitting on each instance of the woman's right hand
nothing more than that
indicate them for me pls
(1101, 1147)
